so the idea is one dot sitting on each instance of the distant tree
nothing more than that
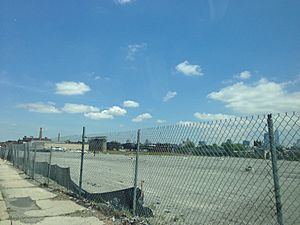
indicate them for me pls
(128, 145)
(188, 144)
(280, 148)
(147, 142)
(113, 145)
(232, 147)
(215, 146)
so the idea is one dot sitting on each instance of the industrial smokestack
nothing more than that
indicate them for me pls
(41, 134)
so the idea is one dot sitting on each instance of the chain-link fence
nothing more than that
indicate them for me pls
(287, 143)
(32, 158)
(238, 171)
(41, 161)
(114, 172)
(208, 173)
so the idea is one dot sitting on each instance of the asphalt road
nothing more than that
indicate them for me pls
(195, 190)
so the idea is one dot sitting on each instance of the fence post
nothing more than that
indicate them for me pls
(275, 170)
(7, 152)
(82, 156)
(13, 155)
(17, 157)
(33, 162)
(24, 158)
(136, 171)
(27, 159)
(49, 167)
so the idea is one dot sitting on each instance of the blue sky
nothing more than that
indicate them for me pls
(115, 65)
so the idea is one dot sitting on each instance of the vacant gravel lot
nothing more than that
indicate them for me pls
(195, 190)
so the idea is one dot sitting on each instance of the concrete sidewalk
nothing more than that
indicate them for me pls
(22, 202)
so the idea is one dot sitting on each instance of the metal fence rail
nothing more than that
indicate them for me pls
(238, 171)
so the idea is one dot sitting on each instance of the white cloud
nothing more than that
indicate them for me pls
(244, 75)
(102, 78)
(115, 111)
(79, 108)
(131, 104)
(105, 114)
(208, 116)
(169, 95)
(227, 81)
(123, 2)
(71, 88)
(185, 123)
(161, 121)
(98, 116)
(188, 69)
(261, 97)
(40, 107)
(134, 49)
(142, 117)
